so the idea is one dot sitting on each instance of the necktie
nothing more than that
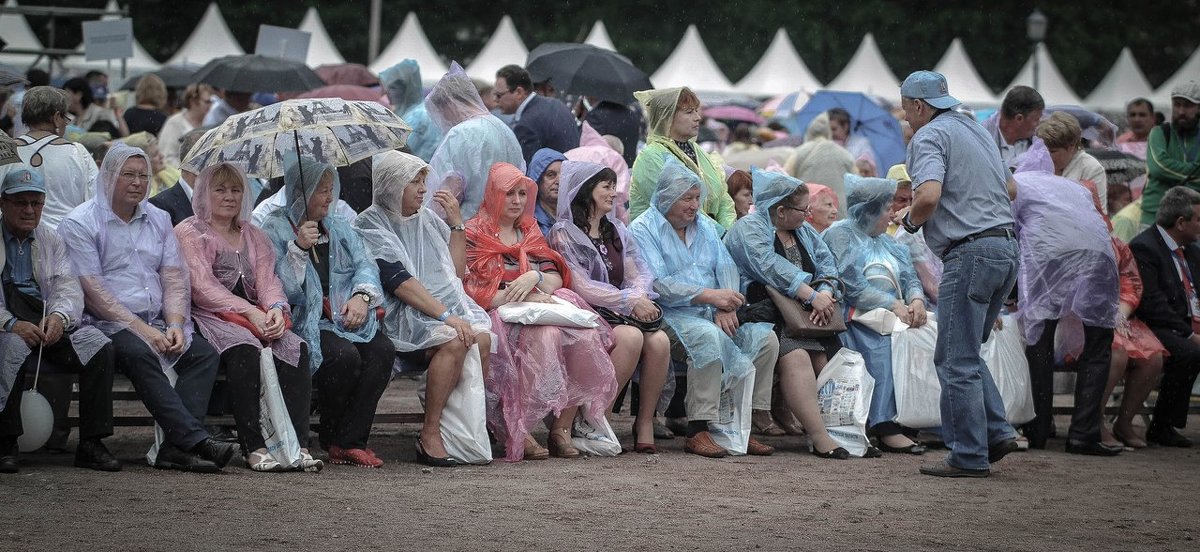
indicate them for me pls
(1188, 290)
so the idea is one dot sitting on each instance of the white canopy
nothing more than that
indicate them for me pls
(16, 32)
(504, 48)
(141, 62)
(1051, 84)
(209, 41)
(867, 72)
(779, 71)
(410, 43)
(598, 37)
(692, 66)
(1189, 72)
(1123, 82)
(965, 83)
(321, 50)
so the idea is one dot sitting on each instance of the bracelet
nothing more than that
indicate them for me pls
(444, 316)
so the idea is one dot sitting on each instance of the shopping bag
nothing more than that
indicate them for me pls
(844, 395)
(464, 419)
(556, 313)
(1004, 353)
(594, 437)
(731, 429)
(273, 418)
(914, 375)
(881, 320)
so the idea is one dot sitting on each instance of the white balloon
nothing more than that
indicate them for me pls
(37, 420)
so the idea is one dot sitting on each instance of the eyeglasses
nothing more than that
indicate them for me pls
(805, 210)
(129, 176)
(22, 205)
(497, 94)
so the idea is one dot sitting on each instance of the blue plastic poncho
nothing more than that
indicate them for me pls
(474, 141)
(403, 84)
(1067, 264)
(351, 269)
(751, 241)
(876, 270)
(682, 271)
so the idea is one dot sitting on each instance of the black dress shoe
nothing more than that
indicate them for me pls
(93, 455)
(217, 452)
(914, 449)
(997, 451)
(224, 434)
(872, 452)
(942, 469)
(171, 458)
(1095, 448)
(1167, 436)
(8, 464)
(437, 462)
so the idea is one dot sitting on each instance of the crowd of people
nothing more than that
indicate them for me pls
(118, 258)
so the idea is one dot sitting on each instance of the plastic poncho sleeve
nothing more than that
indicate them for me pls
(638, 280)
(85, 260)
(64, 294)
(847, 247)
(672, 289)
(751, 244)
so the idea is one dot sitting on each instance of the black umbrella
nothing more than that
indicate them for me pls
(587, 70)
(174, 76)
(254, 73)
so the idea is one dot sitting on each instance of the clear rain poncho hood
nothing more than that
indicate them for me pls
(875, 268)
(751, 241)
(403, 84)
(589, 272)
(1068, 268)
(420, 242)
(454, 99)
(593, 148)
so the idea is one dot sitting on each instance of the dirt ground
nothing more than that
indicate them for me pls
(1037, 500)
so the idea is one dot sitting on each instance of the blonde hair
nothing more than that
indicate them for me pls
(194, 92)
(1059, 130)
(226, 173)
(151, 90)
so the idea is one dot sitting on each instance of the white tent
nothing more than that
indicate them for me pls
(1051, 84)
(692, 66)
(1189, 72)
(16, 32)
(1123, 82)
(779, 71)
(321, 50)
(141, 62)
(504, 48)
(867, 72)
(410, 43)
(965, 83)
(211, 39)
(599, 38)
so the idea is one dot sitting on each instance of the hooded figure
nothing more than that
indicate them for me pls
(593, 148)
(661, 106)
(474, 140)
(421, 243)
(538, 164)
(821, 160)
(403, 84)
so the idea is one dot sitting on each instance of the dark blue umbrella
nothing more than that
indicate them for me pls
(866, 119)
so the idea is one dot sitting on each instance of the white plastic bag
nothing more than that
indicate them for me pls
(464, 419)
(881, 320)
(844, 394)
(594, 437)
(1004, 353)
(914, 375)
(731, 429)
(276, 424)
(558, 313)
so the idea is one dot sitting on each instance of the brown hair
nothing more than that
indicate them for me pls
(151, 90)
(687, 99)
(738, 180)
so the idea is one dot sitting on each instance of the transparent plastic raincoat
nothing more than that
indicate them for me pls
(351, 269)
(593, 148)
(751, 241)
(128, 271)
(403, 84)
(216, 267)
(821, 160)
(474, 140)
(682, 272)
(589, 274)
(660, 112)
(420, 242)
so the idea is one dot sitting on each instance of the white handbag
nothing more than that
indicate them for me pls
(557, 313)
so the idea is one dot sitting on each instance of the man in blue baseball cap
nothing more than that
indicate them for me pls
(962, 198)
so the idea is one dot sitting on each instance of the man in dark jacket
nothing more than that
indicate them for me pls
(177, 200)
(539, 122)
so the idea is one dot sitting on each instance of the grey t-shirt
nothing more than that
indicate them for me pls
(955, 150)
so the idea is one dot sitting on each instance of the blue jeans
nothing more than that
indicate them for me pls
(978, 276)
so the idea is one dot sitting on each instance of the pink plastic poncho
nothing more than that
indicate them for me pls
(1068, 269)
(593, 148)
(216, 266)
(131, 271)
(589, 274)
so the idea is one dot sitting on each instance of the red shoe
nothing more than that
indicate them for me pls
(353, 457)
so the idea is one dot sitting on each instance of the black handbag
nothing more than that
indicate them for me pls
(617, 319)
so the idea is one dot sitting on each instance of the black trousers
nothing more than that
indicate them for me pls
(351, 379)
(179, 409)
(242, 371)
(1179, 375)
(95, 389)
(1092, 374)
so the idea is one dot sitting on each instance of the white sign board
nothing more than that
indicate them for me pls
(282, 42)
(108, 39)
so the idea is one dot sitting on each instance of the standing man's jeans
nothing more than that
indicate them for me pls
(978, 277)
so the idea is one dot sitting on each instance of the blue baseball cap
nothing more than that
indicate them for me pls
(929, 86)
(22, 180)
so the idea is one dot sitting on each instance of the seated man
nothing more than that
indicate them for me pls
(34, 266)
(697, 284)
(1168, 259)
(135, 288)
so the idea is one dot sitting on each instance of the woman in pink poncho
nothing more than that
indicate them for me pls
(239, 306)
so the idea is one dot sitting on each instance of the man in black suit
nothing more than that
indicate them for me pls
(177, 200)
(1168, 259)
(539, 122)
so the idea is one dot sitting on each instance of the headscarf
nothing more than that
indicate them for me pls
(485, 251)
(541, 160)
(454, 99)
(201, 205)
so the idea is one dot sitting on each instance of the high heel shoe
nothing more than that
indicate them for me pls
(838, 453)
(425, 458)
(560, 444)
(643, 448)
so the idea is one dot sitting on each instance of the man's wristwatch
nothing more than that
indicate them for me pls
(908, 224)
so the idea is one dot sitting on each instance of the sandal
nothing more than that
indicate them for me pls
(309, 464)
(560, 444)
(263, 462)
(768, 427)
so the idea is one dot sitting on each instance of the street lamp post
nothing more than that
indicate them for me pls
(1035, 29)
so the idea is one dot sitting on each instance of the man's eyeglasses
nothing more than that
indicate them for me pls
(498, 94)
(22, 205)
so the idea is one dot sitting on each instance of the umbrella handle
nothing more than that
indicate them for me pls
(41, 347)
(300, 163)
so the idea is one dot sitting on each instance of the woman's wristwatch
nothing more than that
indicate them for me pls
(460, 227)
(366, 297)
